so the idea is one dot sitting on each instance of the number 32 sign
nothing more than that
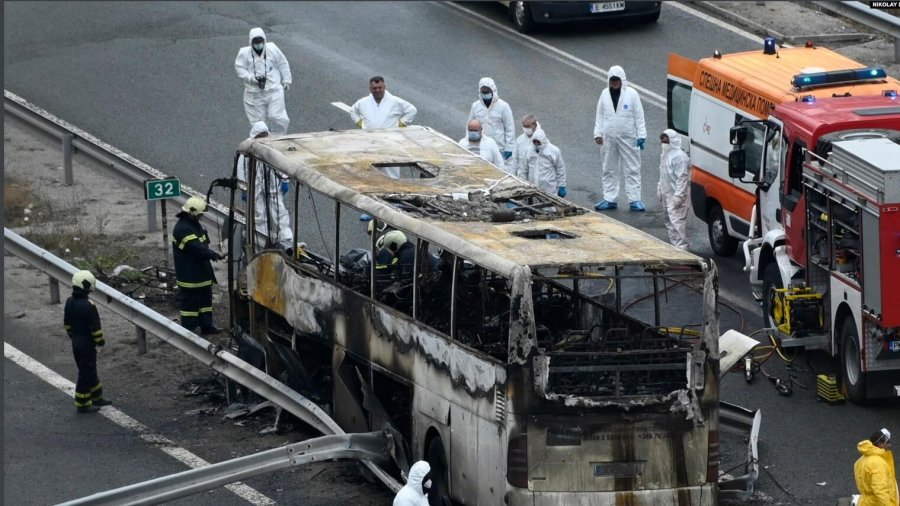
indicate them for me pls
(161, 189)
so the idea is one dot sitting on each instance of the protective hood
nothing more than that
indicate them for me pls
(866, 448)
(416, 473)
(258, 128)
(257, 32)
(617, 71)
(487, 81)
(674, 138)
(540, 136)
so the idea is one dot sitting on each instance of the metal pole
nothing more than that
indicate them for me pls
(151, 216)
(54, 291)
(896, 49)
(67, 158)
(165, 229)
(141, 335)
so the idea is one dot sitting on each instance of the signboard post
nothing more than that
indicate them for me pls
(163, 189)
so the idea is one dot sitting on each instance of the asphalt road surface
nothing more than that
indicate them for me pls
(157, 81)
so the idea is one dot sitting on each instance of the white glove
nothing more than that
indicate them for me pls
(287, 86)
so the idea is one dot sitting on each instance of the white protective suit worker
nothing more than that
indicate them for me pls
(478, 143)
(523, 145)
(266, 75)
(673, 189)
(620, 130)
(273, 186)
(544, 166)
(380, 109)
(415, 492)
(496, 117)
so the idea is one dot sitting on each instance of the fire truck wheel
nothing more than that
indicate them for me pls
(722, 244)
(771, 282)
(440, 493)
(851, 371)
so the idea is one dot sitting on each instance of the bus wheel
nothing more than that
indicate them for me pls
(440, 472)
(521, 16)
(852, 376)
(771, 282)
(722, 244)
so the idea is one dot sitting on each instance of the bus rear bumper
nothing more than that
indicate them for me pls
(695, 496)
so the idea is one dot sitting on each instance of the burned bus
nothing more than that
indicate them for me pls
(532, 351)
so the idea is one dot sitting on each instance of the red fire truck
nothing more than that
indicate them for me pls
(824, 251)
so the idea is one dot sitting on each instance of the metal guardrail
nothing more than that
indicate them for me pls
(375, 446)
(76, 140)
(208, 353)
(865, 15)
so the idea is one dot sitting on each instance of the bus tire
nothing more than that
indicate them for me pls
(852, 377)
(771, 282)
(440, 472)
(521, 16)
(722, 244)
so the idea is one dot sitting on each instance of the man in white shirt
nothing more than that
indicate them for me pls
(544, 165)
(481, 145)
(496, 117)
(523, 144)
(380, 109)
(266, 75)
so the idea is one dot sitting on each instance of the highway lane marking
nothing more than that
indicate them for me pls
(121, 419)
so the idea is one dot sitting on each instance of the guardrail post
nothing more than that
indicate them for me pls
(896, 49)
(151, 216)
(67, 158)
(54, 290)
(141, 335)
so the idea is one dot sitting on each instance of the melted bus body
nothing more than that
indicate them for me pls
(533, 352)
(709, 96)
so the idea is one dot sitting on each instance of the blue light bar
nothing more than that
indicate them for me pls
(889, 93)
(808, 99)
(834, 77)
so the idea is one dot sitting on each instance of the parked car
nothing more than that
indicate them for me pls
(525, 15)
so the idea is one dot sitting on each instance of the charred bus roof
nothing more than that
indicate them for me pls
(458, 201)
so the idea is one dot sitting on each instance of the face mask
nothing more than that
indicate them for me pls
(537, 148)
(426, 487)
(474, 136)
(528, 131)
(487, 96)
(258, 47)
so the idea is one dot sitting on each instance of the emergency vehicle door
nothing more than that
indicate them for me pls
(771, 177)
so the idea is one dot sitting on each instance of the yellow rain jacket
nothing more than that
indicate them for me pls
(875, 476)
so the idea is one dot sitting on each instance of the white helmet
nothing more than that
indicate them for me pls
(394, 239)
(84, 280)
(195, 206)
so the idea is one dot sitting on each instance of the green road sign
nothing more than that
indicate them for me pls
(161, 189)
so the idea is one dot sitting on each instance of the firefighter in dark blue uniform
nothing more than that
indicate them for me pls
(193, 270)
(82, 323)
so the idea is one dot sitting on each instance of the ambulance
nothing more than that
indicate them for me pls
(706, 98)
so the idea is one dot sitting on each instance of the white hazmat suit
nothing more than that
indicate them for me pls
(268, 182)
(388, 114)
(496, 119)
(486, 148)
(545, 167)
(413, 494)
(267, 103)
(620, 128)
(674, 187)
(522, 147)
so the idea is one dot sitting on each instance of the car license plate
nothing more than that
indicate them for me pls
(618, 469)
(597, 7)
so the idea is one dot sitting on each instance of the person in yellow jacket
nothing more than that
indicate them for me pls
(876, 478)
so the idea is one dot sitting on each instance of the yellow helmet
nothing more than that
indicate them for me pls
(394, 239)
(195, 206)
(84, 280)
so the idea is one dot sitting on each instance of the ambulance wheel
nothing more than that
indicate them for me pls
(771, 282)
(722, 244)
(521, 16)
(852, 376)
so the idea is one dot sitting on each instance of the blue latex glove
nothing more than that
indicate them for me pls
(507, 154)
(562, 191)
(640, 143)
(243, 196)
(364, 217)
(285, 186)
